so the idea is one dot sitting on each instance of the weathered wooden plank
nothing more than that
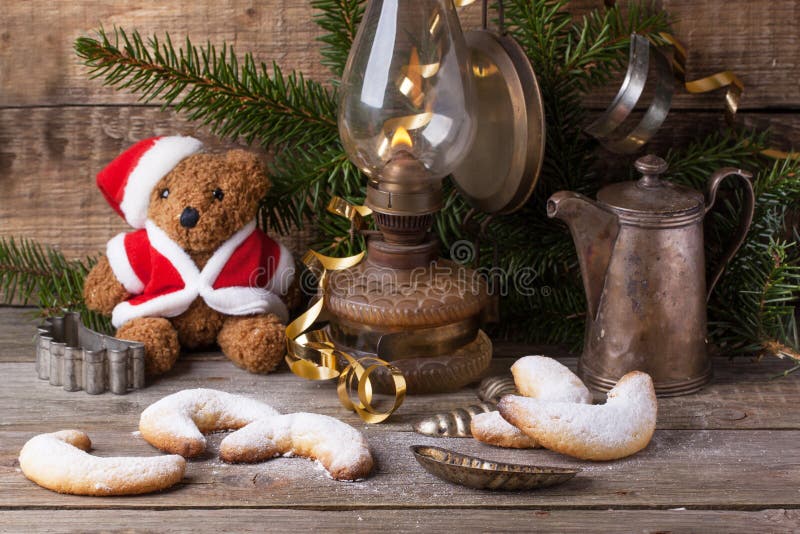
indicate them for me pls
(49, 157)
(441, 520)
(743, 395)
(721, 469)
(756, 39)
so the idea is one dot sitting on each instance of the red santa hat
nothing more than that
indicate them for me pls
(127, 182)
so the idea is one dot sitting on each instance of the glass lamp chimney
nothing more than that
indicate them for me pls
(406, 112)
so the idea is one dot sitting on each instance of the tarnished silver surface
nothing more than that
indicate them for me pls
(642, 258)
(484, 474)
(452, 424)
(494, 387)
(642, 56)
(71, 356)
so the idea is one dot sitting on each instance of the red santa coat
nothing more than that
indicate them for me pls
(245, 276)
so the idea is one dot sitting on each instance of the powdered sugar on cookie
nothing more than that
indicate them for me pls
(622, 426)
(177, 422)
(491, 428)
(59, 462)
(538, 377)
(544, 378)
(341, 449)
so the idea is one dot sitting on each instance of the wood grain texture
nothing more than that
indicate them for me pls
(391, 521)
(757, 39)
(49, 157)
(719, 469)
(723, 454)
(743, 395)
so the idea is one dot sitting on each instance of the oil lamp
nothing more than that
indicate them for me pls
(408, 117)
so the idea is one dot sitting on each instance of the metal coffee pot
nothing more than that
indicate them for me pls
(640, 248)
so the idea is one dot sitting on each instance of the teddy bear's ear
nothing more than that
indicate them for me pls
(251, 164)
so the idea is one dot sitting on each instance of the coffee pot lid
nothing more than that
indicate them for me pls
(651, 194)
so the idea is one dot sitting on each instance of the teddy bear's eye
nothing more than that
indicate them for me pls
(218, 193)
(164, 193)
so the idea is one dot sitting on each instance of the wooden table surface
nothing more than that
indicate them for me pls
(722, 460)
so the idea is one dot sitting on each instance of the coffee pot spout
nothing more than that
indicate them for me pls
(594, 230)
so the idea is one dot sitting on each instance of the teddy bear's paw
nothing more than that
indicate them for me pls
(256, 342)
(160, 342)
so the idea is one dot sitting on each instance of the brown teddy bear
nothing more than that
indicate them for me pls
(196, 270)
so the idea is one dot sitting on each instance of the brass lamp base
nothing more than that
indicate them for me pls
(424, 320)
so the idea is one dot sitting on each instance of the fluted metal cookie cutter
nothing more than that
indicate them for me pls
(71, 356)
(604, 129)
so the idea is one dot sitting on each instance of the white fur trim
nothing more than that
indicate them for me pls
(228, 300)
(283, 277)
(246, 301)
(178, 257)
(221, 256)
(169, 305)
(154, 164)
(121, 265)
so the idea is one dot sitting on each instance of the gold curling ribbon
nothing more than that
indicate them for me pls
(718, 80)
(710, 83)
(311, 354)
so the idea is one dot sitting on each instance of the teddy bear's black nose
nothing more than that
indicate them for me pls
(189, 217)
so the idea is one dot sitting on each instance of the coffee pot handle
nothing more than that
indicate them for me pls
(744, 223)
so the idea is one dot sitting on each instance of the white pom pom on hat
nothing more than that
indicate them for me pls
(127, 182)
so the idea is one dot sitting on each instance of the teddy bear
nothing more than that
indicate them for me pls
(195, 270)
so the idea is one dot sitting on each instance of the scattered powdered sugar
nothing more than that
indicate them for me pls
(544, 378)
(136, 433)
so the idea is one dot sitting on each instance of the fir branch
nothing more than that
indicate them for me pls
(753, 308)
(596, 49)
(304, 181)
(251, 101)
(340, 20)
(28, 270)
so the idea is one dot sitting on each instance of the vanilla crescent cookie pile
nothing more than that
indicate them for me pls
(60, 462)
(555, 411)
(538, 377)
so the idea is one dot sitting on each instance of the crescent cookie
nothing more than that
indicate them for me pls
(59, 462)
(544, 378)
(622, 426)
(491, 428)
(177, 422)
(539, 377)
(340, 448)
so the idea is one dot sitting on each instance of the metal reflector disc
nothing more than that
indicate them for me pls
(502, 168)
